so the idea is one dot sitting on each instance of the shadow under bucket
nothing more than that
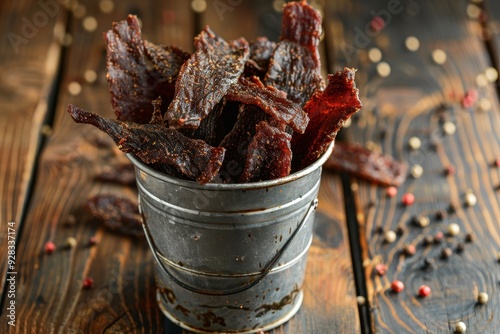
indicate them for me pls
(230, 258)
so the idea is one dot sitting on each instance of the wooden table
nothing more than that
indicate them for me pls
(52, 54)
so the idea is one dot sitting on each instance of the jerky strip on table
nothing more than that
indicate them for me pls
(270, 100)
(327, 110)
(118, 214)
(269, 155)
(154, 143)
(132, 83)
(123, 174)
(205, 78)
(376, 167)
(295, 66)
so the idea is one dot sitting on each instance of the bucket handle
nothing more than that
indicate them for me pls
(264, 273)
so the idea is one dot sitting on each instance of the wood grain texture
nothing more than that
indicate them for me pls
(49, 296)
(29, 57)
(405, 104)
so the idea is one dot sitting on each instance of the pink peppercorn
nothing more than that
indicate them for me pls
(424, 291)
(408, 199)
(380, 269)
(397, 286)
(391, 191)
(49, 247)
(497, 162)
(470, 98)
(88, 283)
(449, 170)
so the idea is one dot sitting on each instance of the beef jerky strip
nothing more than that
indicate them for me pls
(118, 214)
(122, 173)
(132, 83)
(237, 140)
(164, 63)
(261, 51)
(154, 143)
(295, 67)
(376, 167)
(270, 100)
(269, 155)
(327, 110)
(205, 78)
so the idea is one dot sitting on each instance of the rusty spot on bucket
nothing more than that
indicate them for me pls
(182, 309)
(169, 294)
(209, 319)
(286, 300)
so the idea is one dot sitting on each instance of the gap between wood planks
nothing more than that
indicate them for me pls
(53, 96)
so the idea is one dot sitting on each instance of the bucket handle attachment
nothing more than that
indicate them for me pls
(264, 273)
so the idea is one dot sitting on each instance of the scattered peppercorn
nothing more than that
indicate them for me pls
(381, 269)
(49, 247)
(390, 236)
(424, 291)
(438, 237)
(460, 247)
(71, 242)
(453, 229)
(414, 143)
(441, 214)
(391, 191)
(452, 208)
(408, 199)
(469, 237)
(446, 252)
(397, 286)
(429, 240)
(361, 300)
(88, 283)
(482, 298)
(92, 240)
(423, 221)
(400, 230)
(428, 263)
(470, 199)
(449, 170)
(460, 327)
(409, 249)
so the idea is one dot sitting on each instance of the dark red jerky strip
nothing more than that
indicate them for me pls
(375, 167)
(236, 142)
(269, 155)
(205, 78)
(270, 100)
(261, 51)
(132, 83)
(327, 110)
(295, 67)
(122, 174)
(301, 24)
(118, 214)
(154, 143)
(164, 63)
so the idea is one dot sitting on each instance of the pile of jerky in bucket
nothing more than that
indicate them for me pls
(231, 111)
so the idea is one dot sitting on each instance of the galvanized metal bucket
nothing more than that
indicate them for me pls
(230, 258)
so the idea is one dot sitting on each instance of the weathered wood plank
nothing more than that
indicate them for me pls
(49, 289)
(408, 103)
(491, 15)
(29, 54)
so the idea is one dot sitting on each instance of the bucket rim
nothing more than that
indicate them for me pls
(233, 186)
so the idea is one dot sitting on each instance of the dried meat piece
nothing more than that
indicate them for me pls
(270, 100)
(155, 143)
(295, 66)
(269, 155)
(261, 51)
(133, 83)
(119, 214)
(376, 167)
(301, 24)
(237, 140)
(327, 110)
(205, 78)
(122, 174)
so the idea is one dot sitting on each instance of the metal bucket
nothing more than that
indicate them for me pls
(230, 258)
